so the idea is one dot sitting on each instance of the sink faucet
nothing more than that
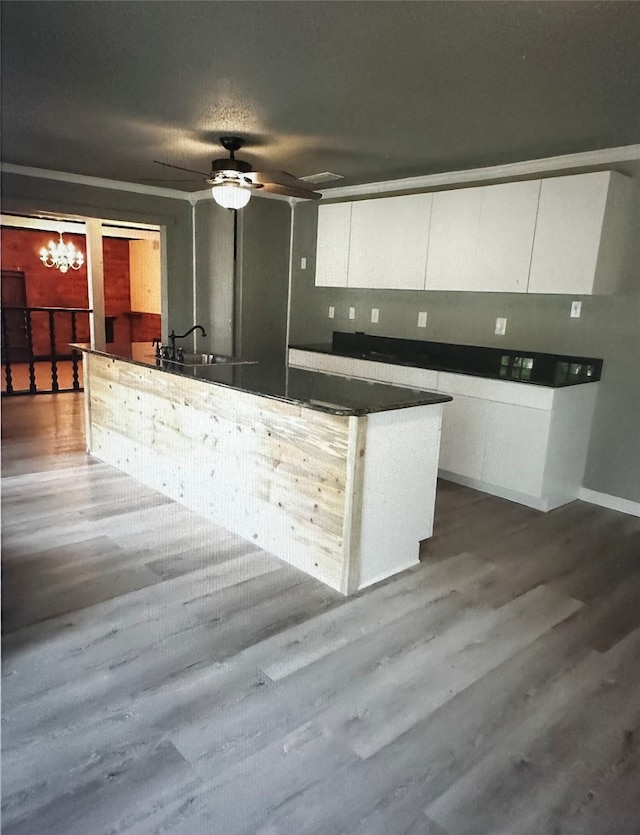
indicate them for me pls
(173, 336)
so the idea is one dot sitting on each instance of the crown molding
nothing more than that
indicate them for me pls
(547, 165)
(96, 182)
(118, 185)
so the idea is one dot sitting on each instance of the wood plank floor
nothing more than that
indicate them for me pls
(161, 675)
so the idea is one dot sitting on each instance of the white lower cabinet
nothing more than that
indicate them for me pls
(379, 372)
(523, 442)
(464, 424)
(515, 448)
(316, 361)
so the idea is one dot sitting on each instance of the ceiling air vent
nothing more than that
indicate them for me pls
(325, 177)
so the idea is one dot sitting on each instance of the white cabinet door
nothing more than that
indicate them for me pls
(453, 238)
(481, 238)
(332, 253)
(380, 372)
(316, 361)
(395, 375)
(464, 422)
(389, 239)
(516, 448)
(505, 237)
(568, 231)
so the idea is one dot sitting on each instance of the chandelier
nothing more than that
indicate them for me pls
(62, 256)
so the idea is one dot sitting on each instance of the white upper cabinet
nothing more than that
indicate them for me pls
(580, 234)
(455, 224)
(568, 234)
(505, 237)
(481, 238)
(332, 256)
(388, 244)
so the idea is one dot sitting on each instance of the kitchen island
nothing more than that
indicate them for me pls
(335, 476)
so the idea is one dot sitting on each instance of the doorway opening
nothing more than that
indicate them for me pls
(114, 297)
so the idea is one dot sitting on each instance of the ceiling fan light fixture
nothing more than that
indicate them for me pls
(230, 189)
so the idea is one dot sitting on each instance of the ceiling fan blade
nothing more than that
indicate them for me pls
(279, 177)
(165, 180)
(291, 191)
(281, 182)
(180, 168)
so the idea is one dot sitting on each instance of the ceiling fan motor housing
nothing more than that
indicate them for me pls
(230, 165)
(231, 170)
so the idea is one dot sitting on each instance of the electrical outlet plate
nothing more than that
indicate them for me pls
(576, 310)
(501, 326)
(332, 312)
(303, 263)
(375, 314)
(422, 319)
(352, 313)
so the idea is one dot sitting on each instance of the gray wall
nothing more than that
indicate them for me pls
(262, 280)
(32, 195)
(242, 270)
(609, 328)
(215, 276)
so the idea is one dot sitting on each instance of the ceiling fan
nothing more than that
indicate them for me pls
(232, 180)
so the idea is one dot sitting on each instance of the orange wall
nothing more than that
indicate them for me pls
(48, 287)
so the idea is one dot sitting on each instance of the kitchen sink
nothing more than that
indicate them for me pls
(197, 360)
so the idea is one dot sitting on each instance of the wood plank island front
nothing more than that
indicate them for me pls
(333, 475)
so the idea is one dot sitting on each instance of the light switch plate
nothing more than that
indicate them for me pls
(375, 313)
(352, 313)
(576, 310)
(422, 319)
(303, 263)
(332, 312)
(501, 326)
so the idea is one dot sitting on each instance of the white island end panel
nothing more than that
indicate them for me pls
(399, 486)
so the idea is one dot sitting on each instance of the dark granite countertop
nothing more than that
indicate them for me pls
(310, 389)
(516, 365)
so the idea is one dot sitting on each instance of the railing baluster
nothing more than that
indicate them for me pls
(6, 358)
(54, 355)
(11, 367)
(32, 367)
(74, 355)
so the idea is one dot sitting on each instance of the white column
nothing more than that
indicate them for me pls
(95, 277)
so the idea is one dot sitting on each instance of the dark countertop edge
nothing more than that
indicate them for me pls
(432, 398)
(327, 348)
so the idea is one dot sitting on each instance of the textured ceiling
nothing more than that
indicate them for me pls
(369, 90)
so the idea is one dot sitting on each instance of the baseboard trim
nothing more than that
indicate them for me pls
(534, 502)
(611, 502)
